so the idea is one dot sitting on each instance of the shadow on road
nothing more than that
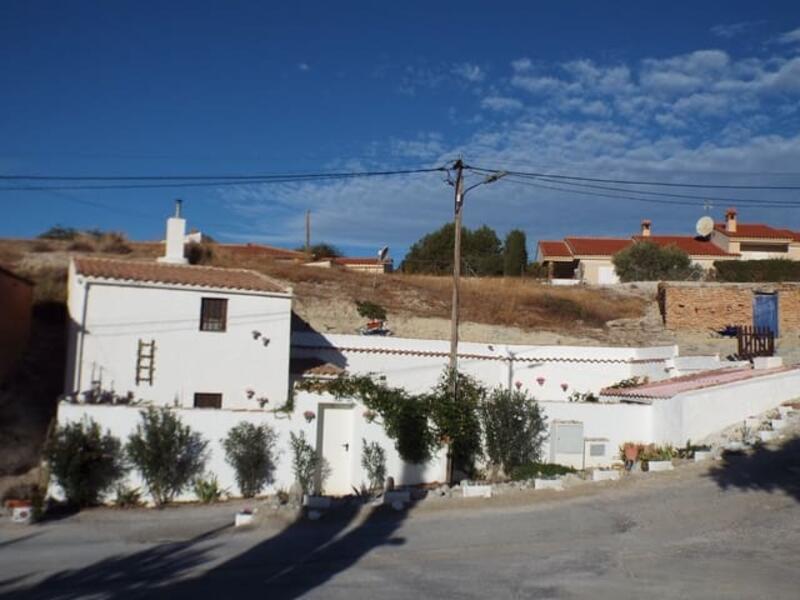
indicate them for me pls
(296, 560)
(764, 469)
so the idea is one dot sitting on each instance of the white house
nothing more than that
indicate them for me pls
(172, 333)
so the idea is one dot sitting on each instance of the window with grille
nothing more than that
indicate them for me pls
(208, 400)
(213, 314)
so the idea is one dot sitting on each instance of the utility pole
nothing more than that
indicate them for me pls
(308, 231)
(457, 218)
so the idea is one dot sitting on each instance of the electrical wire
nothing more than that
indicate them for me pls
(634, 182)
(621, 197)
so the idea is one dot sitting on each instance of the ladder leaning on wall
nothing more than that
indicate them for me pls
(145, 361)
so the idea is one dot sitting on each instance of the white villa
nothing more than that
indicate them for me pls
(216, 345)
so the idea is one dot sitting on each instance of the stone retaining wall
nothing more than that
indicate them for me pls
(703, 306)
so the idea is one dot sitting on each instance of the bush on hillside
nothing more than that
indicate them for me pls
(481, 251)
(515, 254)
(199, 254)
(646, 261)
(57, 232)
(370, 310)
(776, 269)
(84, 461)
(250, 450)
(167, 453)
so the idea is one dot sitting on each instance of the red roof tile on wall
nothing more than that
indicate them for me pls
(581, 246)
(154, 272)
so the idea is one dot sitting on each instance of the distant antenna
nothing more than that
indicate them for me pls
(705, 225)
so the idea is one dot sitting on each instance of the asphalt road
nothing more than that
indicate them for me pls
(730, 530)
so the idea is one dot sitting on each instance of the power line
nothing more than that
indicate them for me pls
(635, 182)
(621, 197)
(259, 177)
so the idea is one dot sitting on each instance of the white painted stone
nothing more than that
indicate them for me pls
(402, 496)
(701, 455)
(767, 362)
(243, 518)
(767, 436)
(548, 484)
(21, 514)
(477, 491)
(605, 475)
(777, 424)
(316, 502)
(655, 466)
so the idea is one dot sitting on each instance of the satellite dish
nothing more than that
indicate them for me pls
(705, 225)
(382, 253)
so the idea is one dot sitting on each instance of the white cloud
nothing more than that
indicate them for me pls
(731, 30)
(303, 66)
(789, 37)
(521, 64)
(501, 103)
(470, 72)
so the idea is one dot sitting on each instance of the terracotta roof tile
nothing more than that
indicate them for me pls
(585, 246)
(314, 367)
(554, 248)
(154, 272)
(757, 231)
(356, 260)
(692, 246)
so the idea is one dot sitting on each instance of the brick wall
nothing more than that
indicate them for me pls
(706, 306)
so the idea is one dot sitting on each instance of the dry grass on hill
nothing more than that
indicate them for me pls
(515, 302)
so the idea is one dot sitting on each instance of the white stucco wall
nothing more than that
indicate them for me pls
(698, 414)
(114, 316)
(215, 424)
(582, 368)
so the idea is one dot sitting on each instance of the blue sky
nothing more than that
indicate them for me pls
(679, 91)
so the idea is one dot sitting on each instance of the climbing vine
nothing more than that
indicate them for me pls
(419, 424)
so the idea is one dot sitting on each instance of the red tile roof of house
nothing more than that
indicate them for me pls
(554, 248)
(692, 246)
(757, 231)
(581, 246)
(190, 275)
(668, 388)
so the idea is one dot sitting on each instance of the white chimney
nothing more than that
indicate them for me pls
(730, 220)
(176, 232)
(646, 227)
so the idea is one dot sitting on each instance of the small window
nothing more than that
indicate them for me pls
(208, 400)
(213, 314)
(597, 450)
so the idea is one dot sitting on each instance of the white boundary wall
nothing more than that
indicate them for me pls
(214, 425)
(581, 368)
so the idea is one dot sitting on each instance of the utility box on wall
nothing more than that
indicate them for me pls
(566, 443)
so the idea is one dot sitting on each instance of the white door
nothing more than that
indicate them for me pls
(606, 275)
(336, 425)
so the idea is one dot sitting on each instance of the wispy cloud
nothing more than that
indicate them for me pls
(731, 30)
(303, 66)
(501, 103)
(469, 72)
(789, 37)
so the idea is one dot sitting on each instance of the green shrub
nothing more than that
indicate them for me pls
(167, 453)
(370, 310)
(128, 497)
(250, 450)
(308, 467)
(207, 489)
(58, 232)
(199, 254)
(540, 470)
(646, 261)
(514, 428)
(373, 460)
(84, 461)
(776, 269)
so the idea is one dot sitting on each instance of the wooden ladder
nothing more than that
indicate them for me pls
(145, 362)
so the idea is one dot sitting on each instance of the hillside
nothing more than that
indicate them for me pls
(493, 309)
